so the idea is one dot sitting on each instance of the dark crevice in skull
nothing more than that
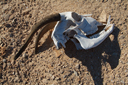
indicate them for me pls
(100, 28)
(70, 33)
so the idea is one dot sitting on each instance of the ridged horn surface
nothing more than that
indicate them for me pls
(35, 28)
(42, 32)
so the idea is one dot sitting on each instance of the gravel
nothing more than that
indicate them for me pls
(105, 64)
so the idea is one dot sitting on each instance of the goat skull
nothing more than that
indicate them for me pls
(70, 25)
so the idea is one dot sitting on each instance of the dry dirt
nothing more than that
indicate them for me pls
(107, 64)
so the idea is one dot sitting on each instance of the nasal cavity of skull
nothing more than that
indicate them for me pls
(70, 23)
(76, 17)
(70, 33)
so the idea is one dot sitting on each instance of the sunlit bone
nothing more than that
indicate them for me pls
(70, 25)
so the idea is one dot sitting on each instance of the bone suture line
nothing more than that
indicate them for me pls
(35, 28)
(42, 32)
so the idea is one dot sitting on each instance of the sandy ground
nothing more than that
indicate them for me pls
(107, 64)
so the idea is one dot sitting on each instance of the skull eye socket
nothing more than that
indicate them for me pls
(76, 16)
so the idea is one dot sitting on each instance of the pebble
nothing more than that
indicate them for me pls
(4, 60)
(0, 25)
(5, 8)
(25, 55)
(13, 73)
(26, 11)
(6, 17)
(35, 13)
(57, 78)
(36, 84)
(8, 64)
(29, 83)
(78, 66)
(41, 12)
(75, 73)
(4, 65)
(53, 77)
(25, 82)
(22, 64)
(11, 17)
(111, 37)
(65, 76)
(16, 79)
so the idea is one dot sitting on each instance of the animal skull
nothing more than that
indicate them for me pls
(81, 29)
(78, 27)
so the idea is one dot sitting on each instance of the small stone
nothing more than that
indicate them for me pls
(16, 79)
(4, 60)
(0, 25)
(36, 84)
(22, 64)
(5, 8)
(78, 66)
(25, 82)
(65, 76)
(13, 73)
(111, 37)
(35, 12)
(53, 77)
(30, 15)
(29, 83)
(62, 72)
(25, 55)
(57, 78)
(75, 73)
(41, 12)
(16, 73)
(25, 12)
(4, 65)
(8, 64)
(6, 17)
(11, 17)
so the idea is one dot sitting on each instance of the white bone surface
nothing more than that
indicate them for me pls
(82, 25)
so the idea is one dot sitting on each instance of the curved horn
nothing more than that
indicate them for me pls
(42, 32)
(36, 27)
